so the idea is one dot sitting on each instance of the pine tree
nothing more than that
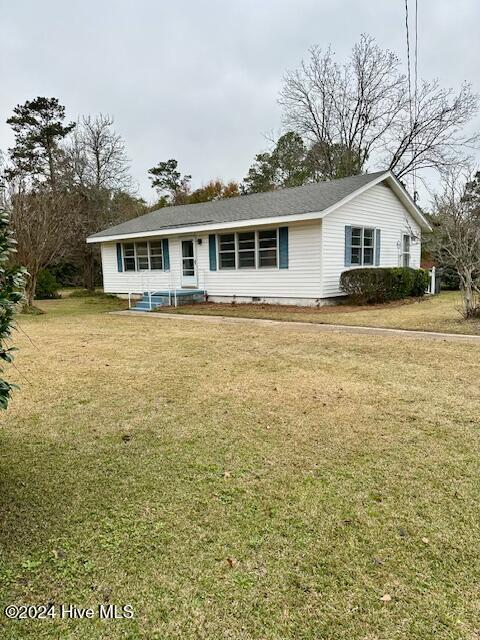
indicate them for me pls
(39, 127)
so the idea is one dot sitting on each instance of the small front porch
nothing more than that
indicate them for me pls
(171, 297)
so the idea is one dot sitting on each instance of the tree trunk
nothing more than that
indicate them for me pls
(51, 166)
(30, 287)
(89, 270)
(468, 297)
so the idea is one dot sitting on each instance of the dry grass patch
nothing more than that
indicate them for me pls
(240, 482)
(436, 313)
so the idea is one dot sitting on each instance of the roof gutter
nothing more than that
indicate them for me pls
(215, 226)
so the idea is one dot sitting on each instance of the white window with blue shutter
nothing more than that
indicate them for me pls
(151, 255)
(262, 249)
(362, 246)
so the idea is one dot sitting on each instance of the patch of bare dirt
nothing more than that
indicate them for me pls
(326, 309)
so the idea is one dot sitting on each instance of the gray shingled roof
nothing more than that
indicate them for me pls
(284, 202)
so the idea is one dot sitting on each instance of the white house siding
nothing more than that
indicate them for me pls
(300, 283)
(135, 281)
(378, 207)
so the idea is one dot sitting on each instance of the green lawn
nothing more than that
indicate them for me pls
(436, 313)
(239, 482)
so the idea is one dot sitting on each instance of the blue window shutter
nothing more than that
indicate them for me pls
(119, 257)
(166, 255)
(283, 247)
(377, 247)
(348, 246)
(212, 251)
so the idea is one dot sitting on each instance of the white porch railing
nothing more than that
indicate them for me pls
(433, 281)
(174, 283)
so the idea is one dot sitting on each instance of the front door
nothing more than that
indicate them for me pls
(189, 264)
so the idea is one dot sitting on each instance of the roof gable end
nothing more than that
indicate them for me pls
(397, 188)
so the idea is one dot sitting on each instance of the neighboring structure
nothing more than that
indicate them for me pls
(287, 246)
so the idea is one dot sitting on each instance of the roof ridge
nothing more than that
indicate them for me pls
(372, 175)
(315, 196)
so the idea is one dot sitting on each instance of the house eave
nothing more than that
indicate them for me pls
(408, 202)
(202, 228)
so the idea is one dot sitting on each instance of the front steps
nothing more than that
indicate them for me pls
(167, 298)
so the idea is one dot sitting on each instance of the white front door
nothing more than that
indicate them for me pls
(189, 264)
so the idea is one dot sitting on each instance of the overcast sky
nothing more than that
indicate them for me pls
(198, 80)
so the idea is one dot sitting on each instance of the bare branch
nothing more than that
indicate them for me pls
(456, 241)
(362, 106)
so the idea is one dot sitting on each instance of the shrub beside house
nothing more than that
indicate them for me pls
(373, 285)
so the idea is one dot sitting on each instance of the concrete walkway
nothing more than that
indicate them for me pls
(310, 326)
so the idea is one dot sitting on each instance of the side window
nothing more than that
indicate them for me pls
(406, 250)
(246, 250)
(129, 256)
(156, 256)
(267, 248)
(226, 251)
(362, 250)
(141, 249)
(356, 256)
(368, 243)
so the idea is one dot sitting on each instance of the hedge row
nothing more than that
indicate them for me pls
(366, 286)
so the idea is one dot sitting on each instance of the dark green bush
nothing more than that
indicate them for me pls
(364, 285)
(401, 280)
(66, 274)
(420, 283)
(47, 287)
(450, 278)
(370, 285)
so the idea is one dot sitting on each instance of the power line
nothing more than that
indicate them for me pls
(415, 91)
(416, 55)
(413, 102)
(408, 61)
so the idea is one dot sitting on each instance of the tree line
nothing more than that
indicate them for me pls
(66, 180)
(63, 181)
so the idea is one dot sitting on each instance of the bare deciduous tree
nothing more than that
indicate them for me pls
(456, 241)
(363, 106)
(98, 155)
(97, 170)
(40, 228)
(435, 138)
(64, 183)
